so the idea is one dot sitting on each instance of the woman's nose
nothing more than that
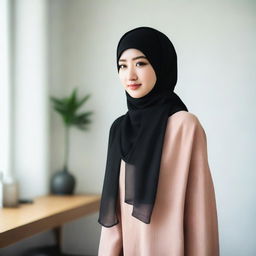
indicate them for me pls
(132, 75)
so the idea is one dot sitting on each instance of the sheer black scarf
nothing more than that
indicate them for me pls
(137, 137)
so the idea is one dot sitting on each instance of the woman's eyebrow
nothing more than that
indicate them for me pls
(135, 58)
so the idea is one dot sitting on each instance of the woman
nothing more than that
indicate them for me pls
(158, 197)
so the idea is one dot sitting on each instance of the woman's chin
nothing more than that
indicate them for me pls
(136, 94)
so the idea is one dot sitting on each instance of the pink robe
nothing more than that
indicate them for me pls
(184, 218)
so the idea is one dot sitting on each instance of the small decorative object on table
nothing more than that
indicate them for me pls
(10, 191)
(63, 182)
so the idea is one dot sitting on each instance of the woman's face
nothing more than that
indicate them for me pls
(136, 73)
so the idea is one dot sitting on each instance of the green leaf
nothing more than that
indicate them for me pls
(56, 101)
(82, 118)
(68, 107)
(72, 101)
(60, 110)
(82, 101)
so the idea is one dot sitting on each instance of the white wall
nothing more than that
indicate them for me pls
(5, 89)
(29, 120)
(215, 43)
(31, 133)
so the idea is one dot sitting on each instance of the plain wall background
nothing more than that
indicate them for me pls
(215, 43)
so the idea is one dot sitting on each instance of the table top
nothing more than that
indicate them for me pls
(46, 212)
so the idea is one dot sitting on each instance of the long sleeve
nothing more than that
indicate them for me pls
(200, 212)
(111, 238)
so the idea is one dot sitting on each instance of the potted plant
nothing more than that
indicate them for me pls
(63, 182)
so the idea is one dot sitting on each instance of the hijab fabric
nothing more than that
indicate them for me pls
(137, 137)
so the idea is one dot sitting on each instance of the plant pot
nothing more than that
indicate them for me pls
(63, 183)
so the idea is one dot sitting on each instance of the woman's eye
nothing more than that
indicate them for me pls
(121, 66)
(141, 63)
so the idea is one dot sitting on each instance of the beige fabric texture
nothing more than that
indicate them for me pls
(184, 220)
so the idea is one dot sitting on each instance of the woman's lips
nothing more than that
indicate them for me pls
(134, 86)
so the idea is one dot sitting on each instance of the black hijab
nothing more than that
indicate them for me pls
(137, 137)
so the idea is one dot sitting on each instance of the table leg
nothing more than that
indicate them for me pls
(58, 237)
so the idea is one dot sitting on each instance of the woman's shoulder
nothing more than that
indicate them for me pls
(185, 120)
(184, 117)
(116, 122)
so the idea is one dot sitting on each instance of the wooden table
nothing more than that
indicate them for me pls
(46, 212)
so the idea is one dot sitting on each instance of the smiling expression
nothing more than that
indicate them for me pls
(136, 73)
